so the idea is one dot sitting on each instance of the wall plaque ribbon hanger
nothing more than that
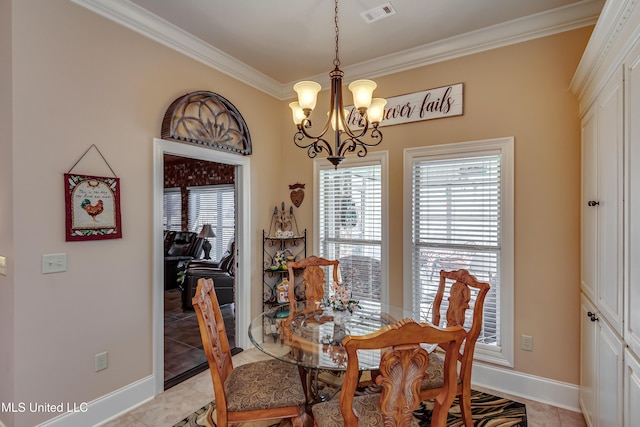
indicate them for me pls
(92, 204)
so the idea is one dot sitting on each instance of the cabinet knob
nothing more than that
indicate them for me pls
(592, 203)
(592, 316)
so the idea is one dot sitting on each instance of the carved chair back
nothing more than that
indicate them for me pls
(402, 368)
(459, 300)
(313, 277)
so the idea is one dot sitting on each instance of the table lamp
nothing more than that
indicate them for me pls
(206, 232)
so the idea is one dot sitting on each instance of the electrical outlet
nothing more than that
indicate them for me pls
(3, 265)
(102, 361)
(527, 342)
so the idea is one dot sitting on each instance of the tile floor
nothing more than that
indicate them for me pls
(181, 400)
(183, 353)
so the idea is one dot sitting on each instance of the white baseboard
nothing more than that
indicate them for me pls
(550, 392)
(107, 407)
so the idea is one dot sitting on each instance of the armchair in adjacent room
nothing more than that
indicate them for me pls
(222, 272)
(180, 247)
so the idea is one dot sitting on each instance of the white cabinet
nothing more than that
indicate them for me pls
(588, 380)
(608, 85)
(601, 351)
(632, 197)
(601, 325)
(609, 393)
(602, 145)
(631, 390)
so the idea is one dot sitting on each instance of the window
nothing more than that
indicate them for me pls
(351, 222)
(213, 205)
(172, 210)
(461, 216)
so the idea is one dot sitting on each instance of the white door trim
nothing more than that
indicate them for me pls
(243, 226)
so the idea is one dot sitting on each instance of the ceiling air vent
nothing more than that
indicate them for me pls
(378, 13)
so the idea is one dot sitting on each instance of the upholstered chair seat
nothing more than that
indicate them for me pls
(435, 372)
(327, 414)
(263, 385)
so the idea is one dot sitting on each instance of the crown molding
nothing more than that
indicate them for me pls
(543, 24)
(613, 37)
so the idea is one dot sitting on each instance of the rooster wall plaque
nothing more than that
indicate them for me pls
(92, 207)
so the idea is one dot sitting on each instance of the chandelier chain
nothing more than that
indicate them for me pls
(336, 61)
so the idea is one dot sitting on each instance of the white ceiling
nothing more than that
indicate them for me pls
(270, 44)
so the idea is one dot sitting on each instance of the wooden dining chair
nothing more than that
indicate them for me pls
(264, 390)
(459, 285)
(313, 277)
(402, 368)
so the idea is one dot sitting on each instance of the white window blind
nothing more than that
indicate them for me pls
(213, 205)
(456, 224)
(350, 225)
(172, 210)
(459, 213)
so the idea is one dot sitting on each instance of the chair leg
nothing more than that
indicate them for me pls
(438, 416)
(304, 420)
(465, 407)
(304, 374)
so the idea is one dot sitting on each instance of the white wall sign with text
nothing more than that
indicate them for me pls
(445, 101)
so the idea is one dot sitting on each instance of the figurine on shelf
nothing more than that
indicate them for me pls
(283, 223)
(283, 291)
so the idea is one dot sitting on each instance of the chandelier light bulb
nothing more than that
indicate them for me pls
(307, 94)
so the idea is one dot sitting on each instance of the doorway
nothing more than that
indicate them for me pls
(243, 253)
(199, 204)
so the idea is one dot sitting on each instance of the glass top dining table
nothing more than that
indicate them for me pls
(311, 337)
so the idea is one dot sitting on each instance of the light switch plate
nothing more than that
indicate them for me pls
(3, 265)
(54, 263)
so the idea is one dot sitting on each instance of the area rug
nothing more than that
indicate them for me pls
(488, 410)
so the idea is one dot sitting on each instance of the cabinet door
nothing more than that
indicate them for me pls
(631, 389)
(609, 259)
(609, 370)
(632, 214)
(588, 224)
(587, 361)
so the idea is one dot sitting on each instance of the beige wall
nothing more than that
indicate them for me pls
(6, 207)
(80, 79)
(519, 91)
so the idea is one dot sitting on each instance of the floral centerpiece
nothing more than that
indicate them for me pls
(340, 299)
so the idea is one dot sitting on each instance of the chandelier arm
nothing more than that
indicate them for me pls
(316, 146)
(358, 146)
(352, 134)
(303, 134)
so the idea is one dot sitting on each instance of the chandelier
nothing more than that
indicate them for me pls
(345, 140)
